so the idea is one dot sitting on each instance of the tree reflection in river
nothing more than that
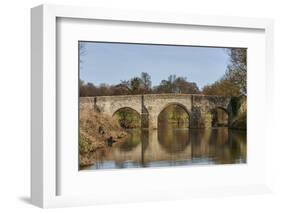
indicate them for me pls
(171, 146)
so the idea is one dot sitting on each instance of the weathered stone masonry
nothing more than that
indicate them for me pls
(197, 106)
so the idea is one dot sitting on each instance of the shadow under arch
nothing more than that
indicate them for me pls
(128, 117)
(220, 117)
(181, 106)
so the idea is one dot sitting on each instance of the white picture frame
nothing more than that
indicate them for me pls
(44, 151)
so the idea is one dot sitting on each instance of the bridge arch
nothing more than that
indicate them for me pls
(220, 116)
(125, 108)
(181, 106)
(128, 117)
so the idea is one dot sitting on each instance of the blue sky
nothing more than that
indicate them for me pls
(112, 62)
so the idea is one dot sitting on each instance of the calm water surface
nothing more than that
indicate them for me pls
(173, 146)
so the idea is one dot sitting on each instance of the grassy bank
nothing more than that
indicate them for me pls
(97, 132)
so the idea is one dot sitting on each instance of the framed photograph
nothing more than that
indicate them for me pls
(130, 106)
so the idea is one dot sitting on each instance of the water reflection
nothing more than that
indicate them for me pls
(172, 138)
(171, 145)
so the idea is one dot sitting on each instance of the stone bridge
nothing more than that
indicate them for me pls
(198, 107)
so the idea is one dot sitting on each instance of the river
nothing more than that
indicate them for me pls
(174, 146)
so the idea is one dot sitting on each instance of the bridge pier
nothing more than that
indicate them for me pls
(153, 121)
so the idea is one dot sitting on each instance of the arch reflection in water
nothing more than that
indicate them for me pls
(173, 146)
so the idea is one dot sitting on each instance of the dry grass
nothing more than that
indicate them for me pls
(95, 131)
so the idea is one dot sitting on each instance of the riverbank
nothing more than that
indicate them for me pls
(97, 132)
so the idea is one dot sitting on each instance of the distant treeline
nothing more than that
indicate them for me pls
(140, 85)
(232, 83)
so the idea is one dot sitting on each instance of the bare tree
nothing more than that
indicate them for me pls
(82, 51)
(146, 80)
(237, 69)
